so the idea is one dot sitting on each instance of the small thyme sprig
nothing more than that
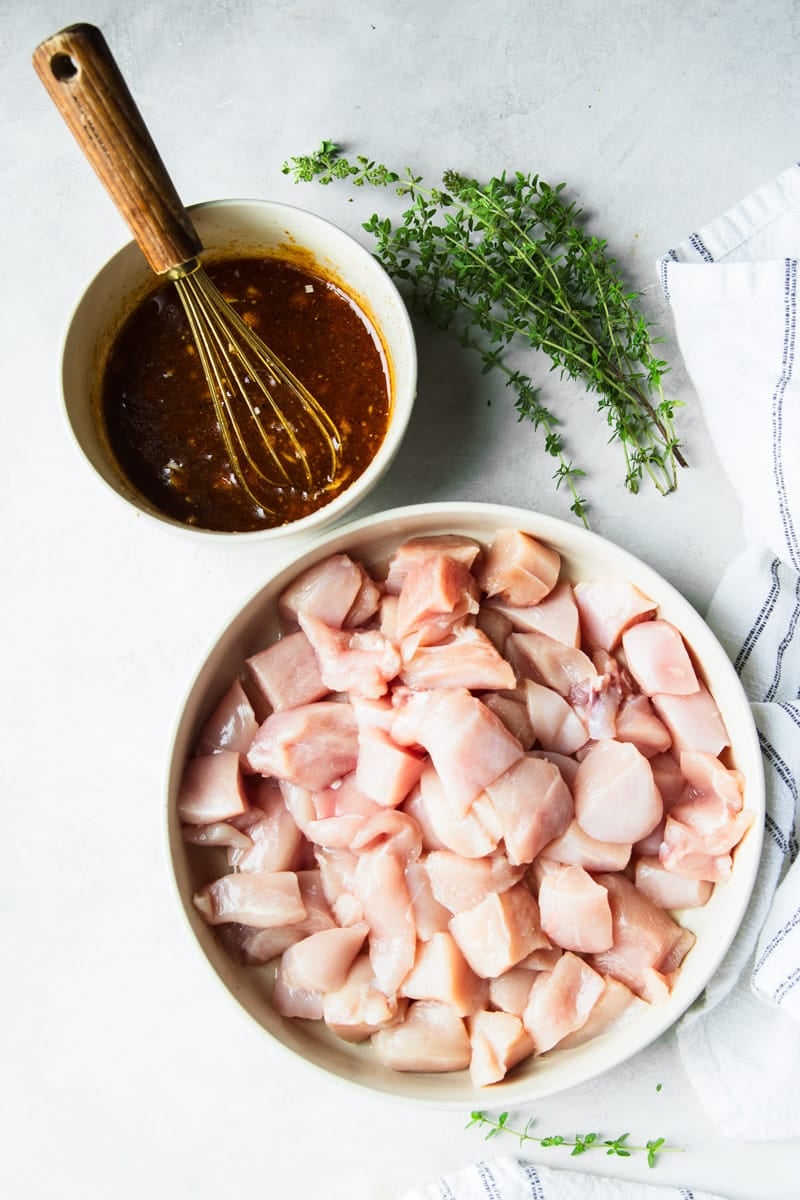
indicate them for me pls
(580, 1143)
(508, 260)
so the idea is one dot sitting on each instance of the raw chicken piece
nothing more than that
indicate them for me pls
(574, 911)
(541, 658)
(431, 1037)
(460, 883)
(260, 898)
(543, 959)
(337, 870)
(699, 837)
(322, 961)
(436, 595)
(440, 972)
(361, 661)
(637, 722)
(367, 602)
(231, 726)
(299, 803)
(380, 885)
(579, 849)
(467, 660)
(388, 617)
(385, 771)
(211, 789)
(499, 931)
(617, 1005)
(287, 674)
(616, 799)
(469, 835)
(311, 745)
(514, 715)
(608, 607)
(567, 765)
(292, 1001)
(556, 615)
(694, 722)
(218, 833)
(275, 840)
(518, 569)
(647, 942)
(342, 799)
(419, 550)
(326, 590)
(491, 621)
(509, 992)
(499, 1041)
(556, 725)
(387, 826)
(668, 778)
(596, 701)
(335, 833)
(430, 916)
(534, 805)
(254, 946)
(704, 773)
(468, 744)
(358, 1009)
(561, 1000)
(658, 660)
(668, 890)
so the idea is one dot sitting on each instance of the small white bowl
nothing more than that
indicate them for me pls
(243, 227)
(584, 555)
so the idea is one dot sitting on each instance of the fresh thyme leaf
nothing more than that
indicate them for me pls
(510, 261)
(579, 1144)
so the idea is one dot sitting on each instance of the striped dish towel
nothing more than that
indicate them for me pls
(732, 288)
(507, 1179)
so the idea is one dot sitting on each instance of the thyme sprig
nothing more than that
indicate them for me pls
(510, 261)
(580, 1142)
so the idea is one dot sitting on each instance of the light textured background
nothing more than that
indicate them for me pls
(124, 1071)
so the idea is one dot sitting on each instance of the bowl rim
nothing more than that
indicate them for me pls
(512, 1090)
(327, 515)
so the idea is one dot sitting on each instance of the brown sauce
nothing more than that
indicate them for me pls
(160, 422)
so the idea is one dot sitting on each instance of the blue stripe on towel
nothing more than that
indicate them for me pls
(777, 938)
(488, 1180)
(696, 242)
(784, 644)
(786, 985)
(764, 613)
(537, 1190)
(787, 364)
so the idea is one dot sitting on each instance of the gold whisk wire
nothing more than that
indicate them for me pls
(257, 399)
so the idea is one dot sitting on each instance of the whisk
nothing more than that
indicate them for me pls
(272, 427)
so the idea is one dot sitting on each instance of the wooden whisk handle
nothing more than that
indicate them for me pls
(83, 79)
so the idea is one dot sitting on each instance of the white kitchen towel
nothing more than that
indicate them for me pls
(733, 290)
(507, 1179)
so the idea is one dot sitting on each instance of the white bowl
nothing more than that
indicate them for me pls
(584, 555)
(239, 227)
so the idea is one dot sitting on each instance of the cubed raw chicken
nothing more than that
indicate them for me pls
(441, 972)
(460, 883)
(326, 590)
(701, 832)
(514, 715)
(637, 722)
(430, 916)
(608, 607)
(648, 945)
(498, 1041)
(436, 596)
(468, 659)
(343, 798)
(311, 745)
(388, 827)
(211, 789)
(287, 673)
(555, 723)
(518, 568)
(596, 701)
(260, 898)
(254, 946)
(576, 847)
(231, 726)
(322, 961)
(387, 622)
(416, 807)
(499, 931)
(561, 1000)
(468, 744)
(509, 992)
(358, 1009)
(470, 835)
(292, 1001)
(299, 803)
(694, 722)
(361, 662)
(381, 887)
(567, 765)
(534, 805)
(616, 799)
(668, 890)
(574, 910)
(431, 1037)
(218, 833)
(668, 778)
(616, 1006)
(657, 658)
(367, 602)
(556, 615)
(541, 658)
(419, 550)
(491, 621)
(275, 840)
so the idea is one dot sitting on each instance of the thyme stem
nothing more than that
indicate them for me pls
(618, 1147)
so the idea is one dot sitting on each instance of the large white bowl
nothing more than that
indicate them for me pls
(584, 555)
(231, 227)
